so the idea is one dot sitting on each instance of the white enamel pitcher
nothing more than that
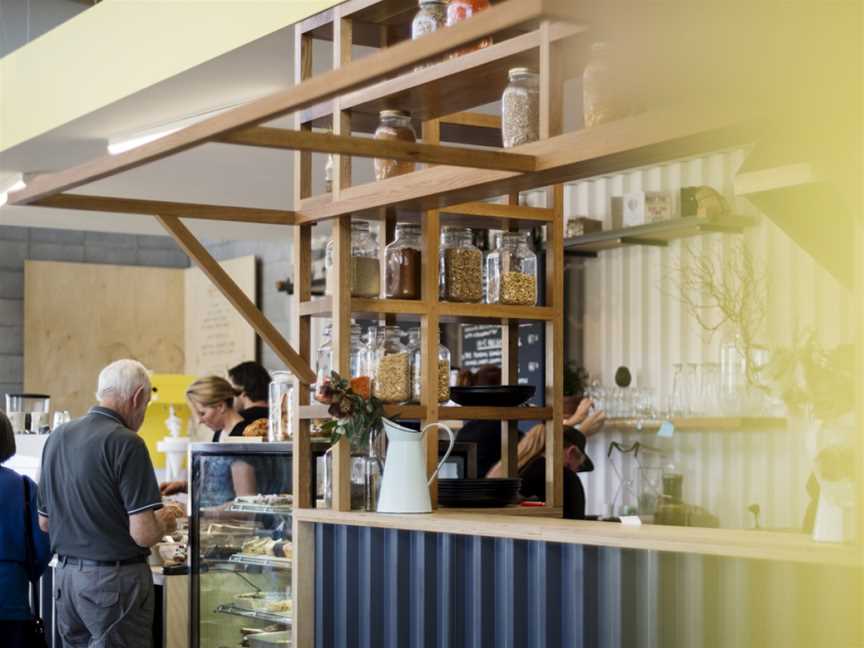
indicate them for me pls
(404, 488)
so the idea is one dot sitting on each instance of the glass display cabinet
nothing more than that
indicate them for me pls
(241, 551)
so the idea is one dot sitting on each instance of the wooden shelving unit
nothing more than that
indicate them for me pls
(654, 234)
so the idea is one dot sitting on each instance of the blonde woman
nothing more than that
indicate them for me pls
(211, 400)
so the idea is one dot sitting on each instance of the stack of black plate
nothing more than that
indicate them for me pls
(478, 492)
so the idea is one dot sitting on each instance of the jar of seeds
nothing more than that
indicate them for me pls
(443, 382)
(392, 368)
(512, 272)
(520, 108)
(606, 96)
(461, 267)
(394, 125)
(365, 266)
(402, 260)
(431, 17)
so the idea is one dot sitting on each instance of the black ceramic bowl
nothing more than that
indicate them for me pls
(492, 395)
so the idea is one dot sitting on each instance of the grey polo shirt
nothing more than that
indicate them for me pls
(96, 472)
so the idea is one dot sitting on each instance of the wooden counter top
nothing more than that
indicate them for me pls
(733, 543)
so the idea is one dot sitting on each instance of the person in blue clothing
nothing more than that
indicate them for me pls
(15, 571)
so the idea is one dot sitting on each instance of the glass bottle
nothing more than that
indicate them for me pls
(414, 348)
(511, 271)
(330, 268)
(281, 406)
(394, 125)
(392, 368)
(461, 267)
(365, 265)
(431, 17)
(324, 363)
(520, 108)
(402, 261)
(459, 10)
(417, 372)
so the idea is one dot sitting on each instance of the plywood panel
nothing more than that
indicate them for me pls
(79, 317)
(216, 335)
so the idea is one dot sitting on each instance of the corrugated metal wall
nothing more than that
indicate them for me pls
(633, 318)
(380, 588)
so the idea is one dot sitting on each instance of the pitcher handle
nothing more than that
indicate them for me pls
(446, 454)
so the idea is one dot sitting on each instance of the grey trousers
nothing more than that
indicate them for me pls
(104, 607)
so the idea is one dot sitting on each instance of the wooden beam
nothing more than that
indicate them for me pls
(162, 208)
(283, 138)
(238, 299)
(314, 90)
(474, 119)
(642, 140)
(493, 210)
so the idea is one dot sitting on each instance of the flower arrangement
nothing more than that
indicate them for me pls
(356, 414)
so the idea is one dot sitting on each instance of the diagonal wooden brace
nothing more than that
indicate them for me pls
(238, 299)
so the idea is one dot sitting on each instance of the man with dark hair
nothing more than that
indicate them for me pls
(253, 381)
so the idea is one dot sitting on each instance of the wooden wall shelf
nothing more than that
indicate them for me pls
(655, 234)
(702, 424)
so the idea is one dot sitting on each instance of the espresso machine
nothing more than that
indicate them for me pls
(28, 413)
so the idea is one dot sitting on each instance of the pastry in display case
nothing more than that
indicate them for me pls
(240, 544)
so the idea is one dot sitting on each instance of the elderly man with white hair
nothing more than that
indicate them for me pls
(99, 497)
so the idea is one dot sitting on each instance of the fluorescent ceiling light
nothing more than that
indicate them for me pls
(10, 183)
(129, 141)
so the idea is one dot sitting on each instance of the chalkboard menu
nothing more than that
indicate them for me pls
(481, 345)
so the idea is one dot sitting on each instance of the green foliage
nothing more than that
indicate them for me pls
(353, 415)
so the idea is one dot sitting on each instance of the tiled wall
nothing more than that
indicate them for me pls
(20, 244)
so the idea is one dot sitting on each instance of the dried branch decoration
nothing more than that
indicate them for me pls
(724, 288)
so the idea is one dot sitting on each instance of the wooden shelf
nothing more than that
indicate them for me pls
(655, 234)
(457, 413)
(448, 87)
(412, 310)
(730, 543)
(396, 412)
(702, 424)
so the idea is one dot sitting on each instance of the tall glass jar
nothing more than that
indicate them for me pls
(281, 406)
(431, 17)
(520, 108)
(443, 384)
(459, 10)
(413, 347)
(605, 97)
(392, 368)
(394, 125)
(461, 267)
(324, 363)
(360, 364)
(365, 266)
(402, 259)
(511, 272)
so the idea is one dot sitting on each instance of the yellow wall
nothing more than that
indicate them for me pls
(171, 390)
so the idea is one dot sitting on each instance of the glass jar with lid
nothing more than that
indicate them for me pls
(443, 382)
(431, 17)
(511, 271)
(392, 368)
(394, 125)
(402, 259)
(413, 347)
(281, 406)
(365, 266)
(461, 266)
(459, 10)
(324, 363)
(359, 363)
(605, 96)
(520, 108)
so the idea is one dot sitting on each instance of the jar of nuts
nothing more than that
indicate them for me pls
(461, 267)
(394, 125)
(511, 271)
(365, 266)
(520, 108)
(443, 382)
(402, 261)
(392, 368)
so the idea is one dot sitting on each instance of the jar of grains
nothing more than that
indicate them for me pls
(394, 125)
(443, 382)
(402, 260)
(461, 267)
(604, 94)
(511, 271)
(459, 10)
(392, 368)
(365, 265)
(324, 364)
(431, 17)
(520, 108)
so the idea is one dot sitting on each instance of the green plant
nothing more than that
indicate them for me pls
(354, 415)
